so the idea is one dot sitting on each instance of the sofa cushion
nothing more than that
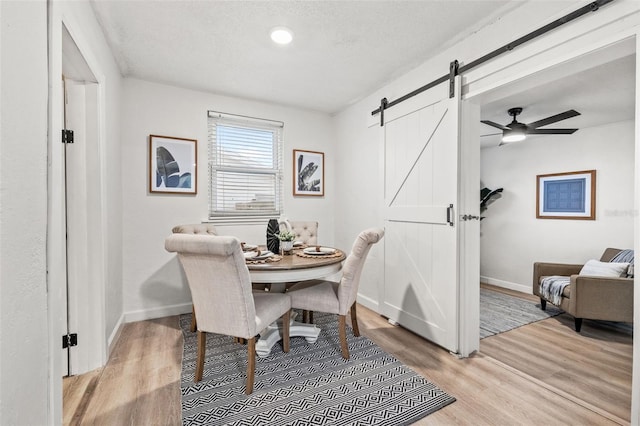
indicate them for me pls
(604, 269)
(623, 256)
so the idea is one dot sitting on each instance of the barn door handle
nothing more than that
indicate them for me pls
(450, 215)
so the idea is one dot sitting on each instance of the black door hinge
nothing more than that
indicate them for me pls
(69, 340)
(67, 136)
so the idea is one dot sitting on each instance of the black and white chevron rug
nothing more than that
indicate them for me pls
(310, 385)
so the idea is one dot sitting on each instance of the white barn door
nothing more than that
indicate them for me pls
(421, 150)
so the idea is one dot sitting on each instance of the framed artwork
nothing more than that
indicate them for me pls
(172, 165)
(570, 195)
(308, 173)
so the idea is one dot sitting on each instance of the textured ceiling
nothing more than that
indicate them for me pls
(342, 50)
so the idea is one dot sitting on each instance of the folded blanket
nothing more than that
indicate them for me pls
(551, 288)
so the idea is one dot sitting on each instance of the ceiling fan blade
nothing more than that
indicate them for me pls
(491, 123)
(551, 131)
(554, 118)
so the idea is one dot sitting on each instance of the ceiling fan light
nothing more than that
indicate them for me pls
(509, 136)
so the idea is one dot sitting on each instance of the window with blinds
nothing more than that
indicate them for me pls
(245, 166)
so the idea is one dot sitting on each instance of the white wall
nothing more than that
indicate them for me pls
(512, 238)
(359, 171)
(23, 213)
(153, 281)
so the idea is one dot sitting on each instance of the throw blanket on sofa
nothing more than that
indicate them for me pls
(551, 288)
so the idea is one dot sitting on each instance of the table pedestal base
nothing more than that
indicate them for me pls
(273, 334)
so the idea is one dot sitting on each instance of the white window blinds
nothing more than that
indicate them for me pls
(245, 166)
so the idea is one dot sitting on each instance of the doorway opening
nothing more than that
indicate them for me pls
(83, 196)
(512, 238)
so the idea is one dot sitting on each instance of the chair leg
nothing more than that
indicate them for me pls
(354, 321)
(251, 365)
(286, 323)
(578, 323)
(342, 330)
(194, 323)
(543, 304)
(202, 346)
(307, 317)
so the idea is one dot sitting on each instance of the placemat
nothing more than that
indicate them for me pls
(271, 259)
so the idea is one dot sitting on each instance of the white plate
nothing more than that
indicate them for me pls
(323, 251)
(249, 247)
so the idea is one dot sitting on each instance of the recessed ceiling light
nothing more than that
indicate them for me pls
(281, 35)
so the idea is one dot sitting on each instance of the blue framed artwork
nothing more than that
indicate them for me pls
(570, 195)
(172, 165)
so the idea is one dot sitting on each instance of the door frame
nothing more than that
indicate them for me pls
(94, 342)
(90, 300)
(469, 230)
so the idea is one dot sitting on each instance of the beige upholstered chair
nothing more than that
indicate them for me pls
(338, 297)
(195, 229)
(306, 232)
(221, 290)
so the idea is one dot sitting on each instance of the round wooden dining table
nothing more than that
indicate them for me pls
(291, 268)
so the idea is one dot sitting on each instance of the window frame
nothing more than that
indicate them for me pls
(215, 119)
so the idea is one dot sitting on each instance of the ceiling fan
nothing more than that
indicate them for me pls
(516, 131)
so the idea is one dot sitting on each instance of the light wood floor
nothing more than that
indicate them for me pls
(141, 383)
(593, 366)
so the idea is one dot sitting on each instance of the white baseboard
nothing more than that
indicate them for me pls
(159, 312)
(115, 335)
(368, 302)
(506, 284)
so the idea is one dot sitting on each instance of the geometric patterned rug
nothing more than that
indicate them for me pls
(310, 385)
(500, 312)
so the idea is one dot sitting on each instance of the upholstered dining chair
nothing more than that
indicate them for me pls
(195, 229)
(338, 297)
(306, 231)
(221, 290)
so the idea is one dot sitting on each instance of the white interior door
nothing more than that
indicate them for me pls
(64, 290)
(77, 226)
(84, 254)
(421, 139)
